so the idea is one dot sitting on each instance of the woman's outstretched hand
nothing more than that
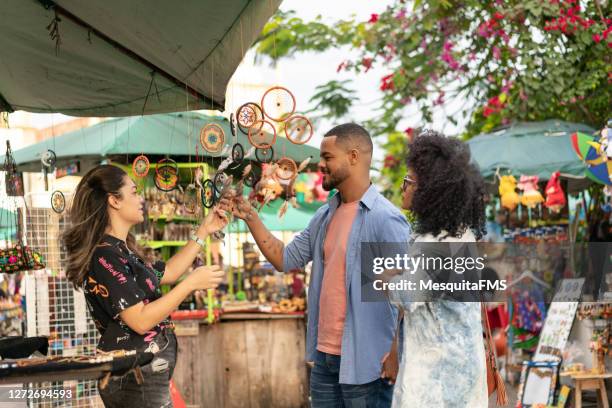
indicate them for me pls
(217, 217)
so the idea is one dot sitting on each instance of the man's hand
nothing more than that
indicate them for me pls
(242, 208)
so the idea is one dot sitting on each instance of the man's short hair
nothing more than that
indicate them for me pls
(352, 135)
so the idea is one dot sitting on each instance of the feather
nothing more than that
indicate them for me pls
(304, 163)
(294, 202)
(246, 171)
(225, 164)
(283, 210)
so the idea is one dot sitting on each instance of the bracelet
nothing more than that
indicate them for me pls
(194, 237)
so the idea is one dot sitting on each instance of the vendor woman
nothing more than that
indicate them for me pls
(122, 290)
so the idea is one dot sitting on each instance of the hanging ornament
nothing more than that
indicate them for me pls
(140, 166)
(247, 115)
(13, 179)
(531, 195)
(262, 134)
(278, 103)
(232, 123)
(287, 169)
(555, 197)
(190, 199)
(265, 154)
(58, 201)
(507, 192)
(208, 193)
(219, 181)
(250, 179)
(212, 138)
(48, 159)
(298, 129)
(166, 175)
(237, 153)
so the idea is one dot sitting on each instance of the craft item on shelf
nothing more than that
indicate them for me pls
(555, 197)
(58, 201)
(507, 192)
(278, 103)
(247, 115)
(141, 166)
(298, 129)
(531, 195)
(212, 138)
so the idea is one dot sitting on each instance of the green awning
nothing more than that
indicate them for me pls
(123, 58)
(173, 134)
(536, 148)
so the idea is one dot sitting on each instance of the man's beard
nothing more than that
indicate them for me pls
(335, 179)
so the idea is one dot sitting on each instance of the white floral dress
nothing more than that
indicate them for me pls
(443, 356)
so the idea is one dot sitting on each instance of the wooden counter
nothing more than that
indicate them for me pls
(247, 360)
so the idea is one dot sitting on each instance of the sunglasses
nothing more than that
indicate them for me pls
(407, 181)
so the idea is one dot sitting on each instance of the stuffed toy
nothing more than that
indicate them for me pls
(531, 195)
(507, 187)
(555, 197)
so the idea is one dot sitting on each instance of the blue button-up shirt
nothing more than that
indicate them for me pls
(369, 327)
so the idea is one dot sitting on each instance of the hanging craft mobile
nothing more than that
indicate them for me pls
(264, 155)
(262, 134)
(555, 197)
(247, 115)
(13, 179)
(140, 166)
(166, 175)
(237, 153)
(507, 191)
(232, 123)
(218, 181)
(208, 193)
(58, 201)
(287, 169)
(278, 103)
(298, 129)
(48, 159)
(531, 195)
(212, 138)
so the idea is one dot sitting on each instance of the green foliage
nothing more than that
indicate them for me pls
(513, 60)
(333, 99)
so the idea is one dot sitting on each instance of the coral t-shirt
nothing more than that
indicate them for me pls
(332, 304)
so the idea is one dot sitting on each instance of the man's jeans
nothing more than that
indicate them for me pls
(326, 392)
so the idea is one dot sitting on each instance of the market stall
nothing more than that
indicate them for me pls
(545, 208)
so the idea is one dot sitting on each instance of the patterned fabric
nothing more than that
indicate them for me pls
(117, 280)
(443, 356)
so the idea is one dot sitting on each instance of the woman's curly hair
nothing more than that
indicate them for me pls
(450, 191)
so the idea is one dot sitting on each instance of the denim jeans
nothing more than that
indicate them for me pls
(327, 392)
(155, 391)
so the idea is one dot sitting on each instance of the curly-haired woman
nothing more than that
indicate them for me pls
(122, 291)
(443, 363)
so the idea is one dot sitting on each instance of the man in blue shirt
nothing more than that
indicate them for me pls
(350, 341)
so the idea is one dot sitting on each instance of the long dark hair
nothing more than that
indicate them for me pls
(89, 219)
(450, 190)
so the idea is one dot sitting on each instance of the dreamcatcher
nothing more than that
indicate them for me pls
(58, 202)
(212, 138)
(48, 159)
(247, 115)
(141, 166)
(166, 175)
(208, 193)
(298, 129)
(278, 103)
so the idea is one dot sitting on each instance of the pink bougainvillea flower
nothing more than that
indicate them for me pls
(401, 14)
(498, 16)
(367, 63)
(487, 111)
(373, 18)
(386, 83)
(496, 53)
(597, 38)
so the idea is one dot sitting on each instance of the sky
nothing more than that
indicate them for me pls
(302, 73)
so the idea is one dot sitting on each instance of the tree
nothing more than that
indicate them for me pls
(507, 61)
